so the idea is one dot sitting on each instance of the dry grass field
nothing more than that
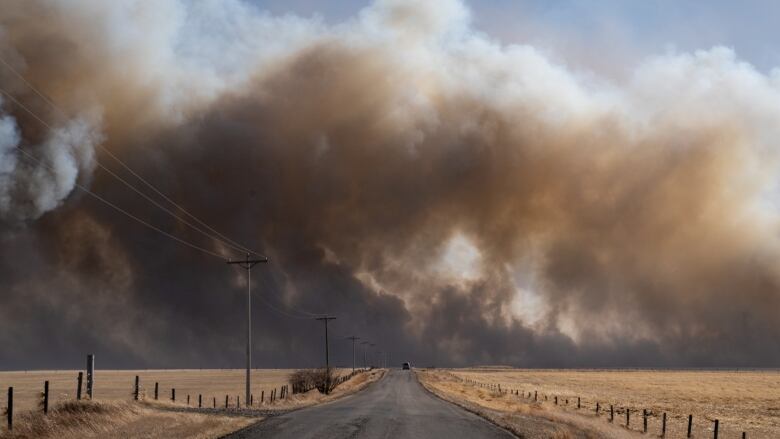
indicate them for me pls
(113, 414)
(117, 385)
(741, 400)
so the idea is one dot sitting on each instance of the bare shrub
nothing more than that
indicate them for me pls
(303, 380)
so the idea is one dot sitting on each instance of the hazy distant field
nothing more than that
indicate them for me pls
(748, 400)
(118, 384)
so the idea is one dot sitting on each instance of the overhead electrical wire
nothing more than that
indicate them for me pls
(308, 315)
(100, 165)
(220, 238)
(119, 209)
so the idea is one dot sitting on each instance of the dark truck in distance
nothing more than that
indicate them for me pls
(406, 366)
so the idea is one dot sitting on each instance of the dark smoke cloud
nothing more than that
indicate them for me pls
(452, 200)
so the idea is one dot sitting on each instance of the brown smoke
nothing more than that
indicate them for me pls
(608, 223)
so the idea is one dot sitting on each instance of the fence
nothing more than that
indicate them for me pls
(596, 407)
(267, 396)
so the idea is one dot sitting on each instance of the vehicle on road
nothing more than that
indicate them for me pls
(406, 366)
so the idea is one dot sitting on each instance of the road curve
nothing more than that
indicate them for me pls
(396, 406)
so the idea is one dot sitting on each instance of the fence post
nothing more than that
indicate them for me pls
(10, 410)
(715, 433)
(137, 390)
(215, 401)
(90, 374)
(663, 426)
(251, 399)
(262, 396)
(188, 399)
(611, 413)
(46, 397)
(226, 401)
(690, 424)
(535, 395)
(578, 402)
(200, 401)
(78, 386)
(238, 401)
(597, 408)
(628, 417)
(173, 395)
(644, 420)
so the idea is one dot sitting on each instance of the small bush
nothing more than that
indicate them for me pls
(304, 380)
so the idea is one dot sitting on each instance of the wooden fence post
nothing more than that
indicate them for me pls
(578, 402)
(173, 394)
(238, 401)
(715, 433)
(597, 408)
(628, 417)
(90, 375)
(644, 420)
(200, 401)
(9, 411)
(226, 401)
(78, 385)
(663, 426)
(45, 397)
(262, 396)
(188, 399)
(690, 424)
(535, 395)
(156, 390)
(137, 387)
(215, 401)
(611, 413)
(556, 400)
(251, 399)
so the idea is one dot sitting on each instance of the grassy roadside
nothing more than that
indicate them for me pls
(157, 419)
(123, 419)
(525, 419)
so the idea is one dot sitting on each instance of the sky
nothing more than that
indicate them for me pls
(621, 32)
(534, 184)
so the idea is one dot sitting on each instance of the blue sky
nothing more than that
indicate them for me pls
(608, 34)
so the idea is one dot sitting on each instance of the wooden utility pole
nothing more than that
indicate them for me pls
(353, 338)
(247, 264)
(327, 353)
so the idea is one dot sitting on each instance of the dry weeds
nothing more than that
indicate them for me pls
(117, 385)
(114, 415)
(740, 400)
(121, 419)
(526, 419)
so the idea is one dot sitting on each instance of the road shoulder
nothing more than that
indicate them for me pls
(522, 419)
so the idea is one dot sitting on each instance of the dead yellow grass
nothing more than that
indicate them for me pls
(356, 384)
(122, 419)
(117, 385)
(744, 400)
(524, 418)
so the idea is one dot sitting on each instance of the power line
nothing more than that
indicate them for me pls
(126, 183)
(120, 210)
(224, 239)
(285, 313)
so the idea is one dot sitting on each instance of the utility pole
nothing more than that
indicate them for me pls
(327, 354)
(247, 264)
(353, 338)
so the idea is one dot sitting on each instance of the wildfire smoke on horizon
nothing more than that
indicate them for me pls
(456, 200)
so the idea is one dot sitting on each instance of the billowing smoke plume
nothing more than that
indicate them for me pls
(454, 200)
